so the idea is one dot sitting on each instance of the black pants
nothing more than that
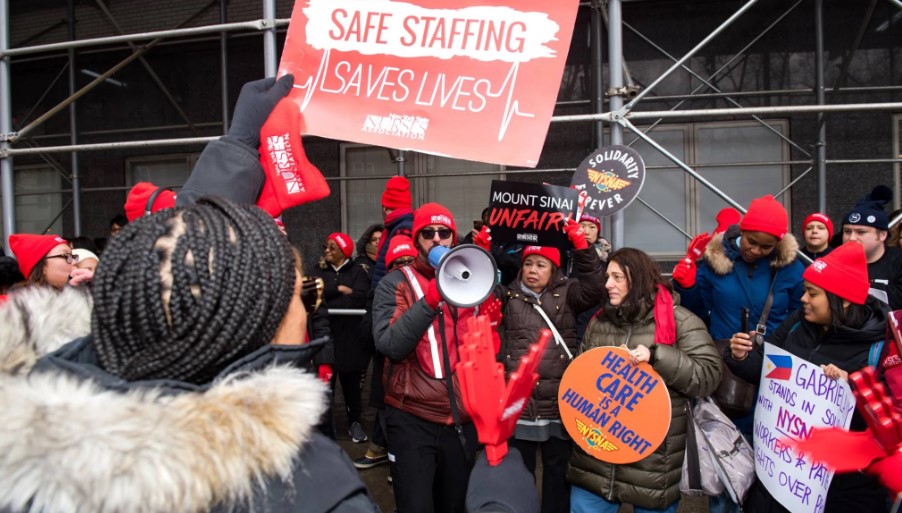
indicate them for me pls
(352, 391)
(430, 471)
(555, 455)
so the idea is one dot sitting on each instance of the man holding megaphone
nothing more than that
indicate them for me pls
(431, 440)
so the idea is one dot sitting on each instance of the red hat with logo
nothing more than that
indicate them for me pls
(344, 242)
(30, 249)
(400, 246)
(139, 200)
(433, 213)
(397, 193)
(843, 272)
(821, 218)
(766, 215)
(585, 218)
(543, 251)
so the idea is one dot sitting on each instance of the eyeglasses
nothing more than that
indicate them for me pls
(429, 233)
(328, 247)
(400, 262)
(70, 258)
(311, 293)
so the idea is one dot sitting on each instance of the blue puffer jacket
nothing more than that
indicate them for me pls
(725, 283)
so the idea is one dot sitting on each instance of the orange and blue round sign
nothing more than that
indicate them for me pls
(615, 411)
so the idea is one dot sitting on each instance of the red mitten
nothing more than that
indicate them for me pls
(483, 239)
(576, 235)
(432, 296)
(697, 246)
(291, 179)
(325, 373)
(684, 273)
(491, 308)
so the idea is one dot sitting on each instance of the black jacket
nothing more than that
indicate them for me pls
(848, 348)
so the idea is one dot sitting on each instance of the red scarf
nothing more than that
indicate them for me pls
(665, 325)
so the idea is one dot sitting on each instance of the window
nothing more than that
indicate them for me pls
(710, 149)
(39, 202)
(465, 196)
(160, 170)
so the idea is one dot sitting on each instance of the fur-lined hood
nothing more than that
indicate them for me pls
(39, 320)
(720, 258)
(70, 446)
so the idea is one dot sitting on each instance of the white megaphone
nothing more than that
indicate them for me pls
(465, 275)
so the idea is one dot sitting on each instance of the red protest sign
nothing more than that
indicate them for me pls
(473, 79)
(615, 411)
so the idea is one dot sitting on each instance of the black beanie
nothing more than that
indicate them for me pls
(869, 209)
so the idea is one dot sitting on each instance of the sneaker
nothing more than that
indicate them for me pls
(367, 461)
(357, 434)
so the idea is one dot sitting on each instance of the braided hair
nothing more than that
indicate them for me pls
(184, 292)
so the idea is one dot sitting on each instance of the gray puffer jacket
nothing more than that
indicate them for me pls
(690, 368)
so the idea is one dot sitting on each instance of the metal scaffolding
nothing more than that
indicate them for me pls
(623, 98)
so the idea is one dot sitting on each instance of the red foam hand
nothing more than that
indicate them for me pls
(491, 308)
(876, 450)
(697, 246)
(432, 297)
(483, 239)
(324, 371)
(291, 179)
(493, 406)
(576, 234)
(684, 273)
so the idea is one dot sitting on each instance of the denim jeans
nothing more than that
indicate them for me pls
(584, 501)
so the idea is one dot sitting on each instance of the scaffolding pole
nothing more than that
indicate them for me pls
(73, 129)
(6, 164)
(616, 92)
(821, 144)
(269, 39)
(159, 34)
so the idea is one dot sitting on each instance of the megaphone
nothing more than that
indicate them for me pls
(465, 275)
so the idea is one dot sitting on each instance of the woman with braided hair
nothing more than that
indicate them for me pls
(187, 396)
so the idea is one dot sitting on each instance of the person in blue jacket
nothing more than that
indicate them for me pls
(740, 267)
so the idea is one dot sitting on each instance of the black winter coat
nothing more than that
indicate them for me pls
(847, 348)
(562, 301)
(352, 352)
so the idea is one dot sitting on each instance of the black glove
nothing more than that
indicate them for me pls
(508, 487)
(255, 103)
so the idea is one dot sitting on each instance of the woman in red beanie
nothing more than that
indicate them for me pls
(817, 229)
(839, 327)
(47, 260)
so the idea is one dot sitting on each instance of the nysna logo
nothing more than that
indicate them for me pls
(59, 240)
(397, 125)
(341, 242)
(403, 247)
(607, 181)
(819, 265)
(279, 147)
(441, 219)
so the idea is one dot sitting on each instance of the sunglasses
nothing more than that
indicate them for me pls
(70, 258)
(311, 293)
(400, 262)
(429, 233)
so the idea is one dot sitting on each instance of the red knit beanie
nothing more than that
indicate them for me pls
(766, 215)
(590, 219)
(400, 246)
(543, 251)
(136, 202)
(726, 218)
(433, 213)
(817, 216)
(30, 249)
(843, 272)
(344, 242)
(397, 193)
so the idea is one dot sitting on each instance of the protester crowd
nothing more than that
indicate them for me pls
(190, 365)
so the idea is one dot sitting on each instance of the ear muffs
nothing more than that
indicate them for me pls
(148, 208)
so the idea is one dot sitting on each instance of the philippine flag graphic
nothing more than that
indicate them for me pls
(780, 366)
